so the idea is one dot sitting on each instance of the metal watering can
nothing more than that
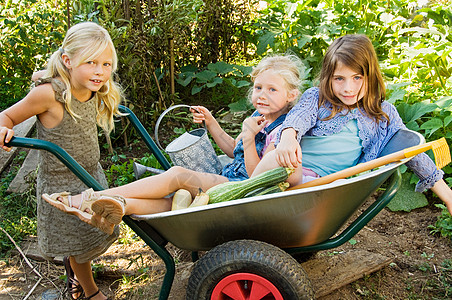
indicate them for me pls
(192, 150)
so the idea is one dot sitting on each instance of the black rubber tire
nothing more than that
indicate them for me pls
(249, 256)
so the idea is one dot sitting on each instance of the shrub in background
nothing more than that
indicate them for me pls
(30, 31)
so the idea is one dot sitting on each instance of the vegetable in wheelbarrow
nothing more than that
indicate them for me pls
(280, 187)
(237, 189)
(181, 199)
(200, 199)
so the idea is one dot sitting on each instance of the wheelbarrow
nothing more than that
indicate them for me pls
(251, 242)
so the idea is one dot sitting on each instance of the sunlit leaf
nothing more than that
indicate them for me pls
(432, 125)
(264, 41)
(413, 112)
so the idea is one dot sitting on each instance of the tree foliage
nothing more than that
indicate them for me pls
(30, 31)
(196, 51)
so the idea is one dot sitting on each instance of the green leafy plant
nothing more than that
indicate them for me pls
(31, 31)
(406, 198)
(122, 173)
(443, 224)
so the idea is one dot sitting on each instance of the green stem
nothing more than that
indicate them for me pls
(443, 84)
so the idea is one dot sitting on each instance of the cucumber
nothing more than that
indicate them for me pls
(237, 189)
(280, 187)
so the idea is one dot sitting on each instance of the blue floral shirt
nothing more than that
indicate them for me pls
(307, 118)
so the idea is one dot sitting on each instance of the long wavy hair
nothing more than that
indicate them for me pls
(357, 53)
(86, 41)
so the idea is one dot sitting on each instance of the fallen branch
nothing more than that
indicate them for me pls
(26, 260)
(33, 288)
(21, 252)
(29, 264)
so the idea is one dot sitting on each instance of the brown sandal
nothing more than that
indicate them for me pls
(111, 208)
(87, 298)
(73, 286)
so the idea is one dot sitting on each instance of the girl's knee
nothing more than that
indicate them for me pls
(296, 177)
(177, 170)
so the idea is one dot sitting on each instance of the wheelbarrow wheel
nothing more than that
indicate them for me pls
(248, 269)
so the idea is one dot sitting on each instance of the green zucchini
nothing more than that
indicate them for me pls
(237, 189)
(280, 187)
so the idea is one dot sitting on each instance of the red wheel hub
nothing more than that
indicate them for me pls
(245, 286)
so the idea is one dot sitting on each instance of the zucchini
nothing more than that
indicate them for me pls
(237, 189)
(280, 187)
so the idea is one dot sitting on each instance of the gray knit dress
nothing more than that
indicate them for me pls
(60, 234)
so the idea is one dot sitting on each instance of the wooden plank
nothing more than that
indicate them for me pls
(329, 273)
(21, 130)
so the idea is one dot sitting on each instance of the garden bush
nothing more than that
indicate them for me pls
(30, 31)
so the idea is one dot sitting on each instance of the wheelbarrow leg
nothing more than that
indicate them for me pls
(161, 252)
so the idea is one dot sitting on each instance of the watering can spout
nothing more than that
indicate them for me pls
(139, 170)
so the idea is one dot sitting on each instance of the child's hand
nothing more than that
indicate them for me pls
(288, 151)
(38, 74)
(251, 126)
(200, 113)
(5, 136)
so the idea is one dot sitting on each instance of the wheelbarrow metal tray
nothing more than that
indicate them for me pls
(288, 219)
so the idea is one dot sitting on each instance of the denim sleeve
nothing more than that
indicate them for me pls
(303, 116)
(422, 165)
(426, 170)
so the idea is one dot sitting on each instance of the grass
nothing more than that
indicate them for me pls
(444, 223)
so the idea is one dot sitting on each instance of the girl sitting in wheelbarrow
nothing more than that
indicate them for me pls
(345, 121)
(276, 86)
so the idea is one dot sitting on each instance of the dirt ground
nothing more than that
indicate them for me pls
(133, 271)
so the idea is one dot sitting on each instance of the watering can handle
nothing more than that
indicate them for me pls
(157, 124)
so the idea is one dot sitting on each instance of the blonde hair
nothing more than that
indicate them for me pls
(288, 66)
(87, 41)
(357, 53)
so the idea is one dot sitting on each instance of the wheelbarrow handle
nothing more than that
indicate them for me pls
(145, 136)
(73, 165)
(61, 154)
